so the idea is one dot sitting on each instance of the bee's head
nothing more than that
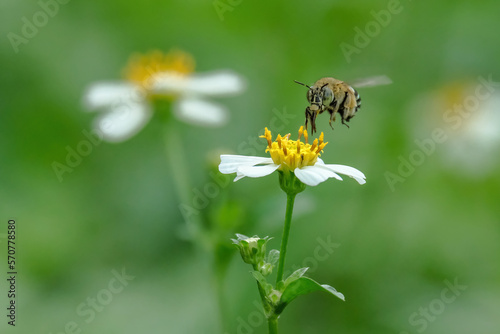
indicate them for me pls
(319, 95)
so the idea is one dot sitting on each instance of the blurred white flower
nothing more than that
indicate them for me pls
(289, 156)
(126, 105)
(469, 114)
(476, 146)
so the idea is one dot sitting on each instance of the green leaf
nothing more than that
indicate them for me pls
(295, 275)
(302, 286)
(259, 277)
(262, 282)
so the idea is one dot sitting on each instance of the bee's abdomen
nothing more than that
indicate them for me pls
(358, 100)
(342, 106)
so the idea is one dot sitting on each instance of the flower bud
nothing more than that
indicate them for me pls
(265, 268)
(252, 250)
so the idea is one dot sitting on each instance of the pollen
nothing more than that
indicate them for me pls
(291, 154)
(142, 68)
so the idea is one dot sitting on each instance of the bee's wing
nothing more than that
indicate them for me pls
(372, 81)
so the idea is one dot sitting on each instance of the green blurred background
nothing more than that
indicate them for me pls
(119, 209)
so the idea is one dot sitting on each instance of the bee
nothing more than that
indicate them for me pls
(336, 96)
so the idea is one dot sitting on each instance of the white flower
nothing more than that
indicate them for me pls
(289, 155)
(466, 116)
(126, 105)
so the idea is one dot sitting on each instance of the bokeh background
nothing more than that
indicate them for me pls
(396, 246)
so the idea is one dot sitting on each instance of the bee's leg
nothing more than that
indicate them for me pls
(309, 117)
(345, 116)
(332, 117)
(313, 122)
(343, 122)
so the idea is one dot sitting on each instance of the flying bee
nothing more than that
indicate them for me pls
(336, 96)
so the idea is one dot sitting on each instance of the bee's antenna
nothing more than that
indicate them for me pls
(300, 83)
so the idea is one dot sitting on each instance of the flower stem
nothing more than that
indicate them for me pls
(262, 293)
(273, 325)
(290, 199)
(193, 228)
(178, 165)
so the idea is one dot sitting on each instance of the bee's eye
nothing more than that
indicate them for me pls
(309, 95)
(327, 95)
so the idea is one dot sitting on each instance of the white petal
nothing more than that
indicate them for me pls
(215, 83)
(200, 112)
(168, 83)
(256, 171)
(346, 170)
(230, 163)
(238, 177)
(314, 175)
(123, 121)
(108, 94)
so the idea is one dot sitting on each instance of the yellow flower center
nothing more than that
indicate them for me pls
(291, 154)
(142, 69)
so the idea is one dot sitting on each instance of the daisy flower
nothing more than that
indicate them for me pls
(126, 105)
(466, 113)
(289, 156)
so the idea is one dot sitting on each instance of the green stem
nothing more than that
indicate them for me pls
(179, 169)
(194, 222)
(273, 325)
(286, 232)
(262, 293)
(180, 172)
